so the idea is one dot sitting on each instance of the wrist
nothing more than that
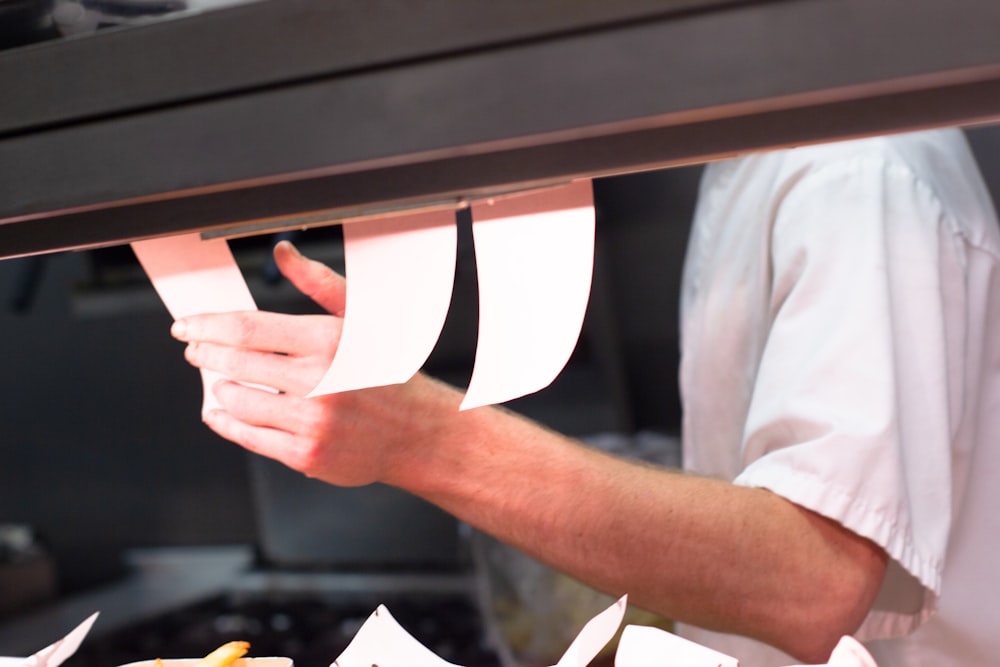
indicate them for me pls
(423, 456)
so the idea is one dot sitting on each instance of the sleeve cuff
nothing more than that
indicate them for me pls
(912, 576)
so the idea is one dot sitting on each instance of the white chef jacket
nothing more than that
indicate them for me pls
(841, 347)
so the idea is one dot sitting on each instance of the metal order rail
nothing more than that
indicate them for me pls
(284, 113)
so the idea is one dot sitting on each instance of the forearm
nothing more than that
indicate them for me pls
(702, 551)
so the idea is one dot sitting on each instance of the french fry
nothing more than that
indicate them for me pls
(225, 655)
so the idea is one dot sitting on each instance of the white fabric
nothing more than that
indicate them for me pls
(841, 347)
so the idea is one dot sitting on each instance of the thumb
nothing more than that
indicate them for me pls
(314, 279)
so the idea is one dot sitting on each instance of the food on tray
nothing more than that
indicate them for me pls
(225, 655)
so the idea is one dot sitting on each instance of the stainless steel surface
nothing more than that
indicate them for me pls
(160, 580)
(341, 583)
(510, 110)
(166, 580)
(304, 522)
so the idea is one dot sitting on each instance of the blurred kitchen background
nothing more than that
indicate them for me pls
(105, 449)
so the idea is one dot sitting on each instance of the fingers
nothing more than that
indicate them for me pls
(263, 408)
(298, 335)
(242, 346)
(286, 428)
(314, 279)
(264, 423)
(316, 436)
(269, 442)
(289, 374)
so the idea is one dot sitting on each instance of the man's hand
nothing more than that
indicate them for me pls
(345, 439)
(287, 352)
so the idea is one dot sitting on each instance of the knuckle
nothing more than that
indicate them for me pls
(230, 363)
(313, 436)
(308, 456)
(316, 422)
(245, 329)
(234, 365)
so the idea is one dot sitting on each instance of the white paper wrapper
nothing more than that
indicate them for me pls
(56, 653)
(382, 642)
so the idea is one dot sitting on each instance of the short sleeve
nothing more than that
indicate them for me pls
(855, 400)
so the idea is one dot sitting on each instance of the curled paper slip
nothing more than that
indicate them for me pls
(594, 636)
(400, 271)
(383, 642)
(193, 276)
(643, 646)
(534, 262)
(56, 653)
(848, 653)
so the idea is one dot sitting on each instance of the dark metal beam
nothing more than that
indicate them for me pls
(276, 43)
(641, 94)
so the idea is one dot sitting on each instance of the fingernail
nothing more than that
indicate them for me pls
(289, 247)
(179, 330)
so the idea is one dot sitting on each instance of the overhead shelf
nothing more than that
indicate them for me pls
(281, 112)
